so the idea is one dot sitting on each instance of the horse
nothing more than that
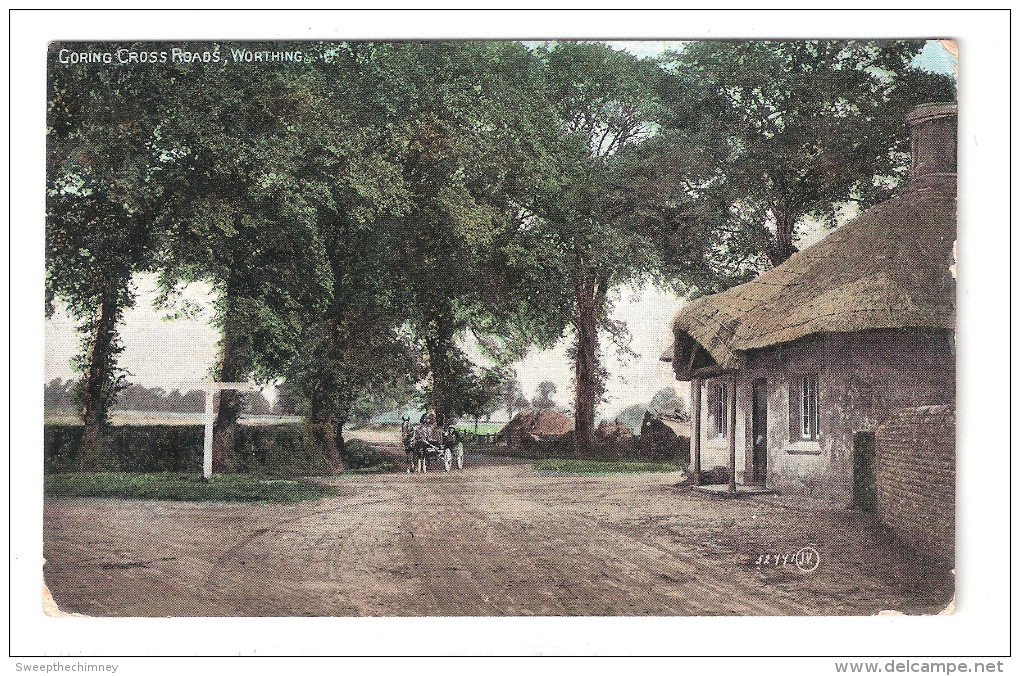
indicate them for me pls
(413, 452)
(417, 442)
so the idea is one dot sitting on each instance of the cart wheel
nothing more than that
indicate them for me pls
(447, 460)
(459, 455)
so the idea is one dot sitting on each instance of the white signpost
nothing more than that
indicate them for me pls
(211, 388)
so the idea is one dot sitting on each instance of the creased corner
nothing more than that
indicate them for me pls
(49, 606)
(950, 608)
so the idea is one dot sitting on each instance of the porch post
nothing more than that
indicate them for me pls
(731, 441)
(696, 428)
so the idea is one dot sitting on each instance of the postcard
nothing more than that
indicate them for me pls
(500, 328)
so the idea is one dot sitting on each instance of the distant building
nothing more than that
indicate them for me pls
(664, 426)
(792, 373)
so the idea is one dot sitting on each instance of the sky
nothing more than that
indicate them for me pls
(172, 353)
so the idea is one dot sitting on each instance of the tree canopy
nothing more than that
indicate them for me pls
(615, 208)
(373, 218)
(811, 125)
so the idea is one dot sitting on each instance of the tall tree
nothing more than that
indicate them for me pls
(512, 397)
(812, 124)
(103, 186)
(241, 218)
(468, 152)
(483, 395)
(617, 207)
(351, 354)
(543, 398)
(351, 351)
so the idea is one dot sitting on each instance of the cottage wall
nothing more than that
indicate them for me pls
(871, 373)
(861, 377)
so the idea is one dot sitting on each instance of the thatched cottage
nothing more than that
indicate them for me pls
(792, 372)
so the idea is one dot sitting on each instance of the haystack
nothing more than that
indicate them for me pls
(612, 430)
(536, 425)
(664, 426)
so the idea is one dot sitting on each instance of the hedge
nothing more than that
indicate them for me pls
(269, 449)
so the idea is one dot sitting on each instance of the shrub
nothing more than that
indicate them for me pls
(360, 456)
(636, 449)
(715, 475)
(276, 449)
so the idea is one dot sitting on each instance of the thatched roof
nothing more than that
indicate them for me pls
(537, 423)
(887, 269)
(656, 425)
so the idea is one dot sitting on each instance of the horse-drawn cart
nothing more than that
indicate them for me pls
(426, 441)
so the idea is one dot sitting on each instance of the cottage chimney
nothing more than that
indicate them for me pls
(932, 142)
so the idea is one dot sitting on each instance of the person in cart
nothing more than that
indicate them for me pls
(429, 438)
(427, 432)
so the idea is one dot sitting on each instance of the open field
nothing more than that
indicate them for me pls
(495, 539)
(483, 428)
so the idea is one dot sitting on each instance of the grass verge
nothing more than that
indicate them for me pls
(483, 428)
(572, 466)
(380, 468)
(361, 457)
(184, 487)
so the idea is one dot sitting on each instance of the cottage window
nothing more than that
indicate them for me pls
(721, 402)
(809, 407)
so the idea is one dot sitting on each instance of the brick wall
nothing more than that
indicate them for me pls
(915, 477)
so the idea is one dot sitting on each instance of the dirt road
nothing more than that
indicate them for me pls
(495, 539)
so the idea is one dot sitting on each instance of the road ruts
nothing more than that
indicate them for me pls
(494, 539)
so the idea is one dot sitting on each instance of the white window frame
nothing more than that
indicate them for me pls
(808, 427)
(721, 409)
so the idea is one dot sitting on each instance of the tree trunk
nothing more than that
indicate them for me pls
(328, 437)
(340, 448)
(96, 390)
(589, 301)
(439, 344)
(326, 432)
(337, 449)
(228, 409)
(782, 248)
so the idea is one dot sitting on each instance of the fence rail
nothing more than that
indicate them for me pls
(476, 438)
